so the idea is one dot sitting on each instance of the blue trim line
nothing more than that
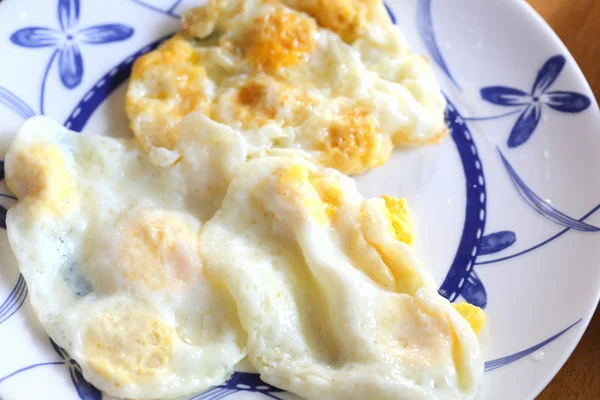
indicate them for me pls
(390, 13)
(174, 6)
(493, 117)
(30, 367)
(14, 301)
(501, 362)
(154, 8)
(427, 33)
(13, 102)
(44, 79)
(461, 274)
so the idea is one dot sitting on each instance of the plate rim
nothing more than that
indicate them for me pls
(543, 24)
(584, 84)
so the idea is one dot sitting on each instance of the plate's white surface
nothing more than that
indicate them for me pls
(475, 209)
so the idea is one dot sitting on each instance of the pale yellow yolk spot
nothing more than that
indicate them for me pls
(42, 176)
(400, 224)
(365, 256)
(173, 80)
(473, 314)
(200, 21)
(352, 144)
(277, 40)
(128, 345)
(319, 196)
(459, 359)
(158, 250)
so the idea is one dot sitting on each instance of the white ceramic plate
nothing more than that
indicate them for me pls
(505, 207)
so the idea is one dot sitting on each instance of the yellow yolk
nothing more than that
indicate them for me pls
(174, 80)
(319, 196)
(259, 99)
(279, 40)
(400, 223)
(127, 345)
(344, 17)
(157, 251)
(473, 314)
(406, 279)
(42, 176)
(352, 144)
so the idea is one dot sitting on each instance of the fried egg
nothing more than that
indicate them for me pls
(107, 239)
(333, 299)
(333, 78)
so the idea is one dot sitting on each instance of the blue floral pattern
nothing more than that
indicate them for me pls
(66, 44)
(532, 102)
(66, 40)
(496, 242)
(462, 279)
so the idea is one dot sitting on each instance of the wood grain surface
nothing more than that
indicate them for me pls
(577, 22)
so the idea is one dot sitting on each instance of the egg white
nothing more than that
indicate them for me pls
(291, 242)
(107, 240)
(333, 78)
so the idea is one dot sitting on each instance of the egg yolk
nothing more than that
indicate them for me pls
(400, 224)
(158, 248)
(279, 39)
(352, 143)
(261, 100)
(406, 278)
(344, 17)
(473, 314)
(174, 87)
(317, 195)
(128, 345)
(42, 176)
(153, 250)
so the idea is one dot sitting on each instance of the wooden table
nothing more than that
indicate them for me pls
(577, 22)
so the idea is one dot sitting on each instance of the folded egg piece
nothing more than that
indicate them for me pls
(107, 239)
(335, 79)
(333, 300)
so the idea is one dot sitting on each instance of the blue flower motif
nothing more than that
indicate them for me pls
(532, 103)
(66, 40)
